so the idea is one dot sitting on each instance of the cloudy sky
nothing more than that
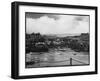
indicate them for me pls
(56, 24)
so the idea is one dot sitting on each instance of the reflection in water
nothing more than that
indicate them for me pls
(56, 57)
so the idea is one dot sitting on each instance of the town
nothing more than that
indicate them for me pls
(36, 42)
(55, 50)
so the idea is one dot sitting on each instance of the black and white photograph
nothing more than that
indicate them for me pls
(56, 40)
(51, 40)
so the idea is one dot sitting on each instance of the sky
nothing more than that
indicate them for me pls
(56, 23)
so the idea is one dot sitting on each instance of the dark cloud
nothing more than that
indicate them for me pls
(38, 15)
(79, 18)
(82, 18)
(34, 15)
(53, 16)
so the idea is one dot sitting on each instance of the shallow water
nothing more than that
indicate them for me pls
(55, 57)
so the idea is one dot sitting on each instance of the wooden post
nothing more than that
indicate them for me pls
(70, 61)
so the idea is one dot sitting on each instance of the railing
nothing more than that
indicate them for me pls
(76, 61)
(71, 62)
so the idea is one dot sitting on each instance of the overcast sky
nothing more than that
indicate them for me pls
(56, 24)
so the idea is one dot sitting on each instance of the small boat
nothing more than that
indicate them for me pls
(62, 49)
(74, 54)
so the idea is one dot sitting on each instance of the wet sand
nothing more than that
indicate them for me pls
(57, 57)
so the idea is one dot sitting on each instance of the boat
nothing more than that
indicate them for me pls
(39, 47)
